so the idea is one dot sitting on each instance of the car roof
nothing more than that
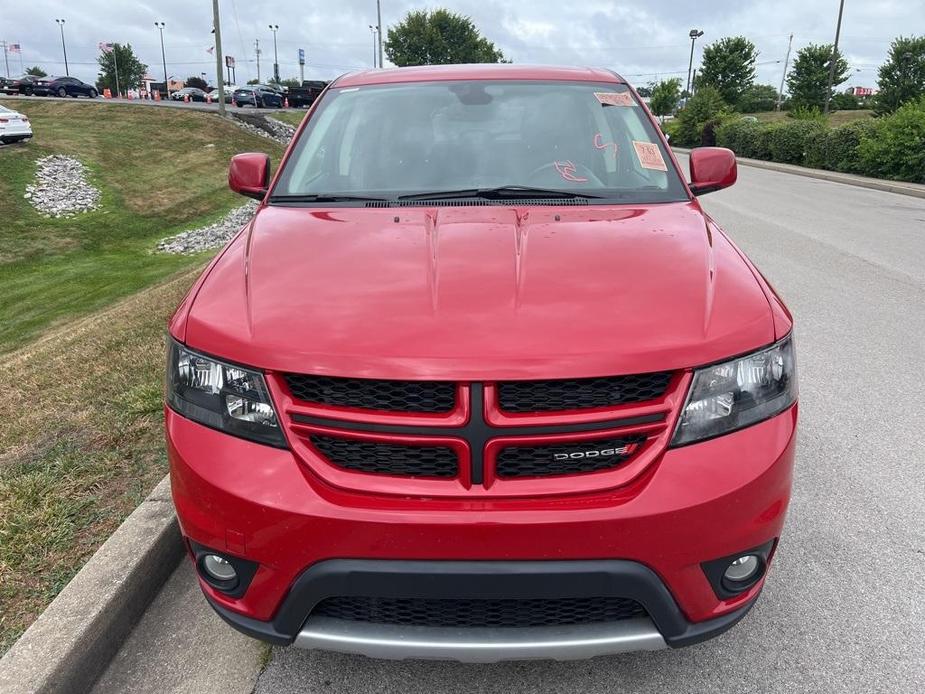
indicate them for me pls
(482, 71)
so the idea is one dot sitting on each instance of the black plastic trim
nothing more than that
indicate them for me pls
(244, 568)
(715, 569)
(481, 579)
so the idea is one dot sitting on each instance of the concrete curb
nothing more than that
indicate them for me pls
(900, 187)
(69, 646)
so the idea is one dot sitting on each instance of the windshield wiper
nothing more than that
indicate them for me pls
(499, 193)
(325, 197)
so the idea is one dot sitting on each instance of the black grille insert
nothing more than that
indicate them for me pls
(392, 396)
(581, 393)
(533, 612)
(388, 458)
(566, 458)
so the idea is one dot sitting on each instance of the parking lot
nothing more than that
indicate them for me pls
(842, 610)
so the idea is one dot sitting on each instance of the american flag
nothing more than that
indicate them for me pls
(14, 48)
(105, 47)
(210, 50)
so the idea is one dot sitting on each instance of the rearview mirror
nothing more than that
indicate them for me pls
(712, 168)
(249, 174)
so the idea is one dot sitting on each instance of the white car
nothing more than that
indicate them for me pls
(13, 126)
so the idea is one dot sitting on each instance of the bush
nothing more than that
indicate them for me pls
(841, 146)
(788, 141)
(705, 106)
(810, 113)
(895, 146)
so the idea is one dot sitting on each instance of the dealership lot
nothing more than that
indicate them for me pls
(842, 610)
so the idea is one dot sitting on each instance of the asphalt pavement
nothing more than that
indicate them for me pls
(844, 606)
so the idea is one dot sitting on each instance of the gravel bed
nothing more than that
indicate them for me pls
(212, 236)
(270, 128)
(61, 187)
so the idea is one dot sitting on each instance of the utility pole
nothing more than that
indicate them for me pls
(217, 28)
(379, 29)
(160, 27)
(60, 23)
(694, 34)
(6, 59)
(257, 49)
(374, 32)
(780, 93)
(274, 28)
(115, 64)
(828, 91)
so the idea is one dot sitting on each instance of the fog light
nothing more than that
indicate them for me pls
(218, 568)
(742, 569)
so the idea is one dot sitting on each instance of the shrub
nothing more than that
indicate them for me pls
(841, 146)
(788, 141)
(738, 135)
(810, 113)
(895, 146)
(706, 105)
(817, 147)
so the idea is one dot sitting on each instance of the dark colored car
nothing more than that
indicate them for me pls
(29, 85)
(191, 93)
(482, 380)
(70, 86)
(258, 95)
(300, 97)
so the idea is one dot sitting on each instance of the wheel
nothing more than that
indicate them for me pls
(30, 91)
(93, 94)
(62, 92)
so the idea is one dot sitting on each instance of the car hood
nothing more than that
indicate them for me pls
(481, 292)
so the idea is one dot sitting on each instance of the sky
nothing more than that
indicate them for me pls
(644, 40)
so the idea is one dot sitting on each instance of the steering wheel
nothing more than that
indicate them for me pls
(562, 169)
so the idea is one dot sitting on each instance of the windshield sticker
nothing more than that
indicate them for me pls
(600, 144)
(569, 171)
(615, 98)
(650, 156)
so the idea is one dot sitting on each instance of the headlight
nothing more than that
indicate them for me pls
(222, 396)
(737, 393)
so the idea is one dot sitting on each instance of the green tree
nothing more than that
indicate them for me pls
(705, 107)
(37, 71)
(194, 81)
(902, 77)
(290, 82)
(665, 97)
(757, 98)
(645, 92)
(253, 81)
(809, 76)
(438, 37)
(131, 69)
(729, 65)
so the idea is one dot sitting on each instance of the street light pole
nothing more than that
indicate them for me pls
(274, 28)
(220, 78)
(828, 91)
(257, 49)
(780, 93)
(160, 28)
(60, 23)
(374, 32)
(379, 29)
(694, 34)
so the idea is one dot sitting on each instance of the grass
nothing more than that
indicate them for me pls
(291, 117)
(835, 119)
(160, 171)
(84, 448)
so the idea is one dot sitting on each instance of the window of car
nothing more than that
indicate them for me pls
(423, 137)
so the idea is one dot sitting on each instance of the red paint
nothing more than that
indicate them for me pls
(568, 170)
(482, 293)
(712, 168)
(600, 144)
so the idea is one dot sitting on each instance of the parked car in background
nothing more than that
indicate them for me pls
(228, 92)
(304, 96)
(70, 86)
(14, 126)
(258, 95)
(191, 93)
(25, 84)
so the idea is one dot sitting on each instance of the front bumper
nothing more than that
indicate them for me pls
(694, 504)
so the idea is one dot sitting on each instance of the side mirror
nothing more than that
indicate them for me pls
(712, 168)
(249, 174)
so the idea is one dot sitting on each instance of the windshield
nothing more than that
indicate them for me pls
(393, 140)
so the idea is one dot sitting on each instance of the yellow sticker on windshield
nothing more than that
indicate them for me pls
(650, 156)
(615, 98)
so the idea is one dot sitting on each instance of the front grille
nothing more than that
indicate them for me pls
(480, 613)
(388, 458)
(582, 393)
(566, 458)
(391, 396)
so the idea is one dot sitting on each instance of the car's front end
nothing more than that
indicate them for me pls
(484, 424)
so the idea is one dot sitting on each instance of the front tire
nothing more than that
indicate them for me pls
(93, 94)
(62, 92)
(29, 91)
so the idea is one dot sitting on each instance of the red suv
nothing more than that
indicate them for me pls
(481, 380)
